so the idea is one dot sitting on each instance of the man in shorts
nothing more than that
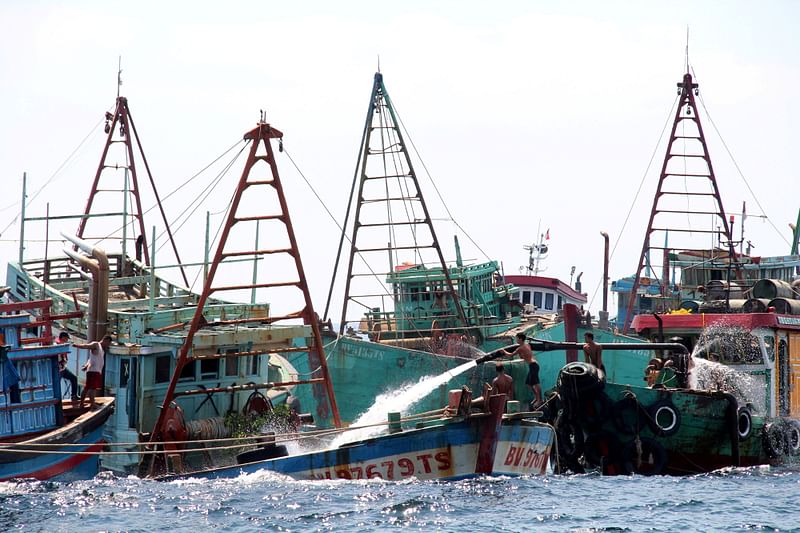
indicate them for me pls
(94, 367)
(524, 352)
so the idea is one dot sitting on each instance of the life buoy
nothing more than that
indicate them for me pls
(664, 418)
(744, 423)
(648, 458)
(774, 439)
(627, 415)
(793, 438)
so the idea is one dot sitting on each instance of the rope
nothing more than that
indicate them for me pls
(636, 196)
(741, 174)
(285, 437)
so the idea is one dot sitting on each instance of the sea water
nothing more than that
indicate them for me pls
(751, 499)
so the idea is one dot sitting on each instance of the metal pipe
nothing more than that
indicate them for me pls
(91, 265)
(549, 346)
(100, 300)
(605, 271)
(22, 221)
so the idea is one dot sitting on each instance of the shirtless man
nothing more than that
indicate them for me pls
(593, 351)
(503, 383)
(532, 380)
(94, 367)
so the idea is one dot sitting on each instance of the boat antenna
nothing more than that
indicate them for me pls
(119, 75)
(687, 48)
(379, 62)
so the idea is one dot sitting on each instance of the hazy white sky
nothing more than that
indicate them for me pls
(525, 113)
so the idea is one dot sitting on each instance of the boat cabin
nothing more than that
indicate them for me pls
(763, 346)
(544, 295)
(30, 388)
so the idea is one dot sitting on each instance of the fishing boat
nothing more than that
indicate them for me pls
(449, 447)
(668, 425)
(408, 312)
(473, 439)
(724, 395)
(97, 290)
(43, 436)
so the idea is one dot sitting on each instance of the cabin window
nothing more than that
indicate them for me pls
(560, 303)
(209, 368)
(548, 300)
(730, 345)
(188, 372)
(231, 364)
(526, 297)
(254, 364)
(769, 344)
(163, 368)
(537, 299)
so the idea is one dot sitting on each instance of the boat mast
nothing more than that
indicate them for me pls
(118, 128)
(239, 216)
(388, 199)
(687, 177)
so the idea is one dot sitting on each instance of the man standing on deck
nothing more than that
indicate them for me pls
(593, 351)
(532, 380)
(503, 383)
(94, 367)
(63, 371)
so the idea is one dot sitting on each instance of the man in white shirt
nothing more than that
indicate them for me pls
(94, 367)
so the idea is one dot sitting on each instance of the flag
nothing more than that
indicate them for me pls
(547, 235)
(744, 211)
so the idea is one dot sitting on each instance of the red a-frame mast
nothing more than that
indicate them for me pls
(119, 126)
(686, 196)
(238, 216)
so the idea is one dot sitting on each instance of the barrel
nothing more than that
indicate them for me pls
(735, 305)
(785, 306)
(693, 306)
(772, 288)
(718, 290)
(756, 305)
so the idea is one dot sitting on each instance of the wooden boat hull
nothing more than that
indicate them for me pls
(64, 463)
(455, 449)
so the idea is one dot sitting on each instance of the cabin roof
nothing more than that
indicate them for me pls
(700, 321)
(545, 282)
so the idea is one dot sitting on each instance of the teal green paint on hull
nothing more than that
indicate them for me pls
(362, 370)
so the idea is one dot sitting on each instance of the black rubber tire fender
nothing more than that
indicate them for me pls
(774, 439)
(744, 423)
(664, 418)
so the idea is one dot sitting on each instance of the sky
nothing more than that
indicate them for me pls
(528, 115)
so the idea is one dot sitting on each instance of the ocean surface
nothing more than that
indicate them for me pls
(752, 499)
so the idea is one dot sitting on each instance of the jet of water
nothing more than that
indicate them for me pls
(399, 400)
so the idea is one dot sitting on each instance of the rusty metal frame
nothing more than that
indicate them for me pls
(262, 133)
(687, 89)
(123, 117)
